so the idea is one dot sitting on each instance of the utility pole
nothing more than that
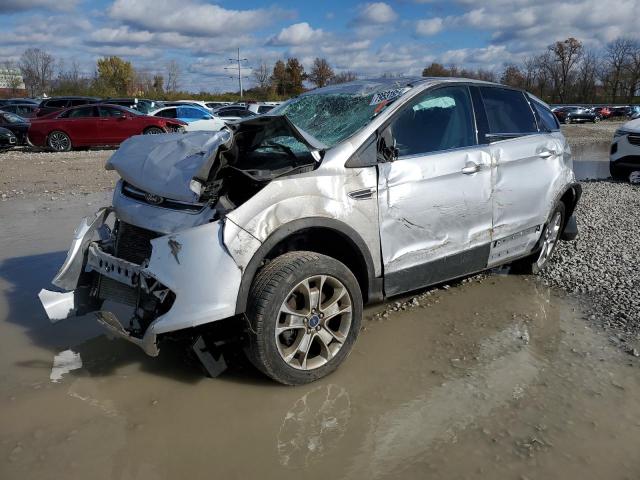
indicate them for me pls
(239, 66)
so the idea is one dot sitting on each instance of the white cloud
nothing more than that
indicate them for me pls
(377, 13)
(296, 34)
(430, 26)
(189, 17)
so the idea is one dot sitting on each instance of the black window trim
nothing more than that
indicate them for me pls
(412, 101)
(506, 136)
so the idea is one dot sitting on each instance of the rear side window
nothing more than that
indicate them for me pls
(547, 120)
(508, 111)
(168, 113)
(79, 101)
(191, 113)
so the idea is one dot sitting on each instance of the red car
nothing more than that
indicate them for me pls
(95, 125)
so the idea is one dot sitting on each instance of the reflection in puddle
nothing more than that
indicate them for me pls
(63, 363)
(313, 426)
(591, 161)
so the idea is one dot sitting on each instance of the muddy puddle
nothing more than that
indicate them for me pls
(591, 161)
(498, 378)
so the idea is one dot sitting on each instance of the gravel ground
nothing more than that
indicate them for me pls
(27, 173)
(586, 133)
(602, 265)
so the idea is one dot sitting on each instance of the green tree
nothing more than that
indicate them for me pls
(115, 76)
(295, 76)
(279, 78)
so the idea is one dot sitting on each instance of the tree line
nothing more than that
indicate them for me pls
(565, 72)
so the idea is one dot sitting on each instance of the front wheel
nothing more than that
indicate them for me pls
(304, 313)
(59, 142)
(550, 237)
(153, 131)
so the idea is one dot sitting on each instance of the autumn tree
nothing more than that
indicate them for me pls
(321, 72)
(115, 76)
(513, 77)
(436, 70)
(36, 67)
(344, 77)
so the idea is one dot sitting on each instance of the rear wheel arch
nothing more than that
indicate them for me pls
(570, 198)
(320, 235)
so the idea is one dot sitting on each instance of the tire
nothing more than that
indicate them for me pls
(153, 131)
(596, 119)
(619, 173)
(280, 287)
(538, 260)
(59, 141)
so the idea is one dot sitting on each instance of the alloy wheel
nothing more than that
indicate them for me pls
(313, 322)
(551, 236)
(59, 142)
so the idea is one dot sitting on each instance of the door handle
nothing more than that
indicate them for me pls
(547, 153)
(471, 168)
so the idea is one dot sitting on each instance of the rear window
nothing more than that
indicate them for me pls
(547, 120)
(508, 111)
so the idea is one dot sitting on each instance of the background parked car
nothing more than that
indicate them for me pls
(618, 112)
(55, 104)
(575, 114)
(213, 105)
(142, 105)
(95, 125)
(603, 112)
(18, 125)
(194, 117)
(7, 139)
(233, 113)
(25, 110)
(262, 107)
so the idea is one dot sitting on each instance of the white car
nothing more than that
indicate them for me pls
(199, 103)
(624, 158)
(262, 107)
(196, 118)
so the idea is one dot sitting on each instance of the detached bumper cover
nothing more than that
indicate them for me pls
(194, 264)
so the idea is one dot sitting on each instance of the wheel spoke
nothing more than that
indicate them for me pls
(292, 321)
(332, 305)
(303, 348)
(325, 337)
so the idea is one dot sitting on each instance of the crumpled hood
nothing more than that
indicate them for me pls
(166, 165)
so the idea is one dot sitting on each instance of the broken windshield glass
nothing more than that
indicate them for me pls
(337, 113)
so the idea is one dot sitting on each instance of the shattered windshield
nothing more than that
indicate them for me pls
(335, 113)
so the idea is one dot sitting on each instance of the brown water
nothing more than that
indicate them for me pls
(495, 379)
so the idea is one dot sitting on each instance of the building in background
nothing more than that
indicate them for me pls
(11, 83)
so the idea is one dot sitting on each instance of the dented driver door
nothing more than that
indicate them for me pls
(434, 198)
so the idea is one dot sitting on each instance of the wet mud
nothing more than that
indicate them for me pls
(492, 378)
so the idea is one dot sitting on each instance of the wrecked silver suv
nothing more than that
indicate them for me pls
(282, 226)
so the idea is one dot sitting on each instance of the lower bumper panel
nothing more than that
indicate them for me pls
(148, 343)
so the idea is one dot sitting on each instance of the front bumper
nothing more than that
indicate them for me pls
(192, 267)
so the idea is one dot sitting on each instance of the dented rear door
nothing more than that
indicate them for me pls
(435, 203)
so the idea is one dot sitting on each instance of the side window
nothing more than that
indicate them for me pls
(264, 108)
(56, 103)
(110, 112)
(546, 118)
(436, 121)
(78, 101)
(78, 113)
(191, 113)
(168, 113)
(508, 111)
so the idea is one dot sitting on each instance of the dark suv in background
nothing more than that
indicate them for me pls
(51, 105)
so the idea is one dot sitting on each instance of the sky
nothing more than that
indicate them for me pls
(369, 38)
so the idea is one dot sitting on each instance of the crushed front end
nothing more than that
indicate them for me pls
(168, 282)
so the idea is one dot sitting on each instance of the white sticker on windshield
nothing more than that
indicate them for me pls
(388, 95)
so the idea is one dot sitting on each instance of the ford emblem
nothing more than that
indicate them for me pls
(153, 199)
